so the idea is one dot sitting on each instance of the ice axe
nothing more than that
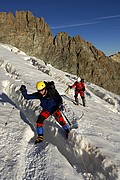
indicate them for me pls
(66, 117)
(67, 90)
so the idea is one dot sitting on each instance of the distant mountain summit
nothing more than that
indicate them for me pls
(71, 54)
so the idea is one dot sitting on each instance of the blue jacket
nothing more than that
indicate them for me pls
(51, 102)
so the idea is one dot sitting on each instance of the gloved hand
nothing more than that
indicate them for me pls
(83, 89)
(23, 88)
(70, 86)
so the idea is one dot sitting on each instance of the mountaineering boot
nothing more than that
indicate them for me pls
(83, 101)
(67, 132)
(39, 139)
(66, 128)
(76, 101)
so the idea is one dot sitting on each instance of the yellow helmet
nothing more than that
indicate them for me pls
(40, 85)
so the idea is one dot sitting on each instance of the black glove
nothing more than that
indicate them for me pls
(23, 88)
(83, 89)
(70, 86)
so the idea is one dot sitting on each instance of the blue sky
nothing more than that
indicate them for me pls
(95, 21)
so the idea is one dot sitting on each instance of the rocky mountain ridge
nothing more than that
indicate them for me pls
(72, 54)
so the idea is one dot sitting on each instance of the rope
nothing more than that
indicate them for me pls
(81, 115)
(9, 116)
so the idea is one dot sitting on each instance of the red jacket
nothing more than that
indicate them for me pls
(80, 86)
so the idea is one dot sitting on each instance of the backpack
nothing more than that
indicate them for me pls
(50, 85)
(53, 92)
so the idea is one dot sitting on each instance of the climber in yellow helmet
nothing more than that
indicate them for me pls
(50, 101)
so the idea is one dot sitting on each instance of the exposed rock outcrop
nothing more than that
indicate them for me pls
(116, 57)
(72, 54)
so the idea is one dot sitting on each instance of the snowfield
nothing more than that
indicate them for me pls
(92, 151)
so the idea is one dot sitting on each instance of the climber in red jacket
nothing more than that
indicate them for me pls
(79, 89)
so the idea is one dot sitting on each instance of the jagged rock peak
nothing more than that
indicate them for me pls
(72, 54)
(23, 21)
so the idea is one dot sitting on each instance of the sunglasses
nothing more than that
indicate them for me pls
(41, 90)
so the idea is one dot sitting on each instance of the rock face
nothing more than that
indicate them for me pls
(116, 57)
(71, 54)
(26, 32)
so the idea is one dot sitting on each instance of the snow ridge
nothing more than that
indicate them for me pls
(76, 146)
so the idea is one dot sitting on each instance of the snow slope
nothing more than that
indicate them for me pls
(91, 152)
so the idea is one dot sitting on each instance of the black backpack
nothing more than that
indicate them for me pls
(50, 85)
(53, 92)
